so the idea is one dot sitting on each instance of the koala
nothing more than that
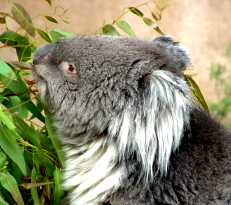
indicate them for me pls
(131, 130)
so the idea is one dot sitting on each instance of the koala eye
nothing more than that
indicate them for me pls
(68, 68)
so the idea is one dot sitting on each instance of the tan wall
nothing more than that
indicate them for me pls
(203, 26)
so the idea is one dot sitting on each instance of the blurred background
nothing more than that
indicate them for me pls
(203, 27)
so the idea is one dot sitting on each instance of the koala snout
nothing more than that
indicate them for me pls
(41, 56)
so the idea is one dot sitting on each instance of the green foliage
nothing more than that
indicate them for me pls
(196, 92)
(30, 154)
(153, 21)
(222, 107)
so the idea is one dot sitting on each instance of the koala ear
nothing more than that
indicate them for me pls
(175, 58)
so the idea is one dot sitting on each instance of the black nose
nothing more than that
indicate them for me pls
(41, 56)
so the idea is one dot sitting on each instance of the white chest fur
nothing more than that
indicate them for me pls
(91, 172)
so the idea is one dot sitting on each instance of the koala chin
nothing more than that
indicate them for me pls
(131, 130)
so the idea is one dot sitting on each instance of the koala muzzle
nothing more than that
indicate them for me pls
(42, 54)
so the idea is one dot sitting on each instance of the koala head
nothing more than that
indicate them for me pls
(86, 81)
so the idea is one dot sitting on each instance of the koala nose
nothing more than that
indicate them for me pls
(41, 56)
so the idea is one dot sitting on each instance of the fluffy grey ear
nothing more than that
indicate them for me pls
(174, 56)
(151, 126)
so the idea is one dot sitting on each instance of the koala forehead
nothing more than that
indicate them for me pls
(100, 57)
(104, 54)
(103, 48)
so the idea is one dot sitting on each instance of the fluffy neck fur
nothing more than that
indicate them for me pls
(150, 129)
(153, 128)
(91, 172)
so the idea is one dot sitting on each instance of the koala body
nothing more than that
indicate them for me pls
(132, 133)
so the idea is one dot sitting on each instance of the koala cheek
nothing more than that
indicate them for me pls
(43, 71)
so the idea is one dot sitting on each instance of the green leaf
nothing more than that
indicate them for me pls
(109, 29)
(20, 89)
(58, 193)
(148, 21)
(10, 184)
(197, 92)
(21, 16)
(3, 160)
(17, 106)
(54, 138)
(123, 25)
(35, 111)
(24, 54)
(9, 145)
(6, 70)
(16, 86)
(2, 201)
(136, 11)
(23, 48)
(6, 119)
(46, 36)
(56, 34)
(51, 19)
(12, 38)
(34, 191)
(31, 134)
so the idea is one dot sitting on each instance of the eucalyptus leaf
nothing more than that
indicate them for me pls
(45, 35)
(56, 34)
(12, 38)
(51, 19)
(5, 69)
(136, 11)
(24, 53)
(58, 193)
(10, 184)
(21, 16)
(148, 21)
(34, 191)
(16, 106)
(123, 25)
(6, 119)
(35, 111)
(17, 86)
(30, 135)
(9, 145)
(3, 160)
(197, 92)
(109, 29)
(2, 201)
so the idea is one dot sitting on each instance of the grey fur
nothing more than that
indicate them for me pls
(127, 109)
